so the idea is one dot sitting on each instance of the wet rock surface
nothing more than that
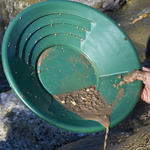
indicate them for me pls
(125, 135)
(140, 31)
(21, 129)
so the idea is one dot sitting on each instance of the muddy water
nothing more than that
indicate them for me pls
(87, 104)
(135, 75)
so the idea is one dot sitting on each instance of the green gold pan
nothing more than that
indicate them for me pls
(55, 47)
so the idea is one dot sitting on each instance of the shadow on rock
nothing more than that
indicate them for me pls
(146, 63)
(25, 131)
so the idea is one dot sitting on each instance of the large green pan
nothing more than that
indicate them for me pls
(55, 47)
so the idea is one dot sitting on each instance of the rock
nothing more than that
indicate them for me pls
(139, 140)
(138, 32)
(132, 133)
(110, 5)
(94, 3)
(21, 129)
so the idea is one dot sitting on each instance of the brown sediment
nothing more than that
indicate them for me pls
(44, 55)
(118, 98)
(120, 84)
(134, 76)
(119, 76)
(120, 94)
(72, 59)
(114, 85)
(84, 61)
(88, 104)
(39, 71)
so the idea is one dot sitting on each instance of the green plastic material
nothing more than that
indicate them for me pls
(59, 46)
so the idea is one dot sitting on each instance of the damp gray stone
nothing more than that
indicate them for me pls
(21, 129)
